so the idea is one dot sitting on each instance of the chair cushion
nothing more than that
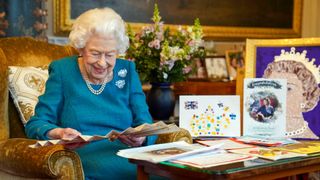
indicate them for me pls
(25, 85)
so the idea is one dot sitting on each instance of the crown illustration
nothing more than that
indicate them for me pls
(300, 57)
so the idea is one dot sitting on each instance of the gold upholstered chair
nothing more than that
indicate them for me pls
(17, 160)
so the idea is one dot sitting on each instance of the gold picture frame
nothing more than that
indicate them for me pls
(235, 61)
(200, 71)
(217, 68)
(261, 52)
(63, 23)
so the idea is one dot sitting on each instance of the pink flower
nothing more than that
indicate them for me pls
(150, 44)
(147, 30)
(191, 43)
(174, 51)
(156, 44)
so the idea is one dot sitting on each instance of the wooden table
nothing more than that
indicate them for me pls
(268, 170)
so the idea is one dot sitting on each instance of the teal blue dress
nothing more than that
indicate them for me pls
(67, 102)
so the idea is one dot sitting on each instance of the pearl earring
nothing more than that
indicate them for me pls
(302, 105)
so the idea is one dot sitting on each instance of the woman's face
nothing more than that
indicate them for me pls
(294, 92)
(99, 57)
(265, 102)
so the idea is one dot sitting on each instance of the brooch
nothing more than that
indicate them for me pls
(122, 73)
(120, 83)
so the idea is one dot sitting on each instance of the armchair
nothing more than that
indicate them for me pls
(17, 160)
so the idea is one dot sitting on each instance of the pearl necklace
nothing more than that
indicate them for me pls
(298, 131)
(88, 83)
(103, 85)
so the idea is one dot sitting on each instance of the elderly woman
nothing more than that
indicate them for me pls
(302, 96)
(93, 94)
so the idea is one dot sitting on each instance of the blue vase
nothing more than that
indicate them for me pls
(161, 101)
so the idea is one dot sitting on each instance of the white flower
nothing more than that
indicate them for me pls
(120, 83)
(165, 75)
(122, 73)
(170, 64)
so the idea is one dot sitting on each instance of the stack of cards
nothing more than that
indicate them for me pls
(139, 131)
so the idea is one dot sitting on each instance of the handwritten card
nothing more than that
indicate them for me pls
(210, 115)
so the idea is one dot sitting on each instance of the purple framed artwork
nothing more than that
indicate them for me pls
(296, 60)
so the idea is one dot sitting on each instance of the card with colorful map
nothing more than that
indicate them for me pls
(205, 116)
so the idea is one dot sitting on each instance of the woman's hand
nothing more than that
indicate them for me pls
(63, 133)
(66, 133)
(131, 140)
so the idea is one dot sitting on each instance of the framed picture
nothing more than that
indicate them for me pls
(200, 71)
(291, 59)
(264, 107)
(229, 19)
(216, 68)
(235, 61)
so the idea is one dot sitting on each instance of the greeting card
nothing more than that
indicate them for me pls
(210, 115)
(304, 147)
(264, 112)
(266, 153)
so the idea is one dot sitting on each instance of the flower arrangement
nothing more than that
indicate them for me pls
(162, 56)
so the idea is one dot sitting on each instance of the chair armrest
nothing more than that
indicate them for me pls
(182, 135)
(17, 158)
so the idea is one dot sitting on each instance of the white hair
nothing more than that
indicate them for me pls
(103, 21)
